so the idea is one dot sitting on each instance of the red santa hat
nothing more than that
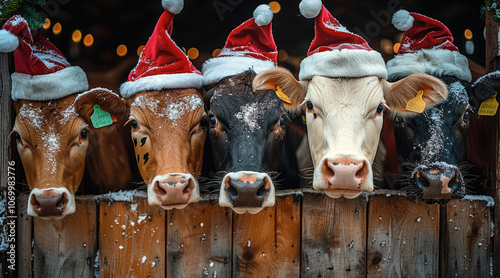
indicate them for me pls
(249, 46)
(162, 64)
(41, 71)
(336, 52)
(427, 47)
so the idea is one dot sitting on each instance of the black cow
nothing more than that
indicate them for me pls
(246, 130)
(431, 146)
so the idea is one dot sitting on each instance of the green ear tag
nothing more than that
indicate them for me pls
(100, 118)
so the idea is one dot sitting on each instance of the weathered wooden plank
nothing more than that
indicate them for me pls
(491, 50)
(131, 239)
(403, 238)
(5, 154)
(67, 247)
(465, 236)
(199, 241)
(267, 244)
(24, 238)
(333, 236)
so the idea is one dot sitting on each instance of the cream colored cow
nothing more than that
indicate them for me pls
(344, 121)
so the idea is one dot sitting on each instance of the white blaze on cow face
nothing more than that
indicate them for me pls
(343, 131)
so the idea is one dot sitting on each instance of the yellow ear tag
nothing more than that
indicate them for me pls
(489, 107)
(282, 95)
(304, 119)
(416, 104)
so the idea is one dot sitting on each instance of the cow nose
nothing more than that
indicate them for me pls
(176, 190)
(345, 173)
(49, 204)
(247, 190)
(438, 183)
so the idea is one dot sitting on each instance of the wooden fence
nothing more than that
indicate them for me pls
(305, 235)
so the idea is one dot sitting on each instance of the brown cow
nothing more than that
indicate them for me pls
(53, 143)
(53, 125)
(166, 110)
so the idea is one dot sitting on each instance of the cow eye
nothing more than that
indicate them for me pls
(466, 116)
(213, 120)
(17, 136)
(134, 124)
(84, 133)
(282, 121)
(309, 105)
(380, 108)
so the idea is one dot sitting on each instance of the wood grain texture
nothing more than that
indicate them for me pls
(466, 229)
(403, 238)
(67, 247)
(5, 150)
(199, 241)
(333, 236)
(492, 64)
(267, 244)
(131, 239)
(24, 238)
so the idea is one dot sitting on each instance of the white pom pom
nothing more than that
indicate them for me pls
(263, 15)
(8, 42)
(173, 6)
(402, 20)
(310, 8)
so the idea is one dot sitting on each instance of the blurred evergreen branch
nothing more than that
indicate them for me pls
(26, 8)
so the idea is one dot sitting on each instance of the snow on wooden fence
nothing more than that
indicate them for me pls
(305, 235)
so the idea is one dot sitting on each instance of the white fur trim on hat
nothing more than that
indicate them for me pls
(8, 42)
(159, 82)
(215, 69)
(173, 6)
(402, 20)
(437, 62)
(310, 8)
(263, 15)
(49, 86)
(343, 63)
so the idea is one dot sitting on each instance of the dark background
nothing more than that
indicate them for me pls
(206, 24)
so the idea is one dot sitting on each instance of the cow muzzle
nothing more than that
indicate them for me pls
(175, 190)
(438, 181)
(51, 203)
(247, 191)
(346, 176)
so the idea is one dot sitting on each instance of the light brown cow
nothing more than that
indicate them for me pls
(169, 138)
(56, 139)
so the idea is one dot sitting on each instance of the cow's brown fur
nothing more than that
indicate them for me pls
(171, 147)
(102, 159)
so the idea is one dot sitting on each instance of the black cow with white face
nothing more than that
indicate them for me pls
(246, 130)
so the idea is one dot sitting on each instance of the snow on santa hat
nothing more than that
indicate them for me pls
(336, 52)
(427, 47)
(249, 46)
(162, 64)
(41, 71)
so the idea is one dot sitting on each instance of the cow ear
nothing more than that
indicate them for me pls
(484, 88)
(107, 100)
(398, 94)
(291, 91)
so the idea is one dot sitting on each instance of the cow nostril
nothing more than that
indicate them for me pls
(231, 191)
(158, 190)
(421, 181)
(261, 192)
(62, 201)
